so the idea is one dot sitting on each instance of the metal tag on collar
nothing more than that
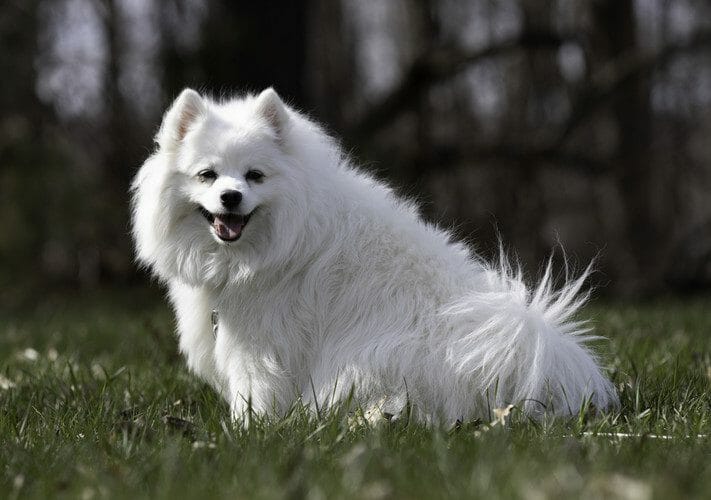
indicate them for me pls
(214, 318)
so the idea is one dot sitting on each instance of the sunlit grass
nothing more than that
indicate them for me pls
(95, 402)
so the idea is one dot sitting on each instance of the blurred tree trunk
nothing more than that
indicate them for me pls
(532, 119)
(19, 36)
(429, 39)
(240, 43)
(21, 147)
(263, 43)
(102, 253)
(30, 199)
(331, 62)
(645, 225)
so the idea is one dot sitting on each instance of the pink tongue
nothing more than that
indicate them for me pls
(228, 227)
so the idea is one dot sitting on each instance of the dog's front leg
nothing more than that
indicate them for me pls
(197, 342)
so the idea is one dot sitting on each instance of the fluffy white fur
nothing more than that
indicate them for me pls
(337, 285)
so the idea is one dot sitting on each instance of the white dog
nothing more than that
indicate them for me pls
(296, 277)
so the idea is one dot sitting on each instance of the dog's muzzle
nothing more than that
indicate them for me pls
(228, 226)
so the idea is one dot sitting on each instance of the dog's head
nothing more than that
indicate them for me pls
(221, 197)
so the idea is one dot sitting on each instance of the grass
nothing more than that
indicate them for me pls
(95, 402)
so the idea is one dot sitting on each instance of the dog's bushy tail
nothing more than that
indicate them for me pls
(527, 347)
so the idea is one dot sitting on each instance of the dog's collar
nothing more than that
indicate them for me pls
(214, 319)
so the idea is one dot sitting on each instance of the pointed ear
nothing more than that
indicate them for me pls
(188, 108)
(272, 108)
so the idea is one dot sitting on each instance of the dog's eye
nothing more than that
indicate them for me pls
(207, 175)
(254, 175)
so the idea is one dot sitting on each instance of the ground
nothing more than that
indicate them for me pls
(95, 402)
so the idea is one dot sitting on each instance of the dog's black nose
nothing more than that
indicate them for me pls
(230, 199)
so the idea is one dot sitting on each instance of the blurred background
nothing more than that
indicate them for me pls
(585, 123)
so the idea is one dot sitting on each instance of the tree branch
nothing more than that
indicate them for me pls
(439, 65)
(516, 154)
(613, 75)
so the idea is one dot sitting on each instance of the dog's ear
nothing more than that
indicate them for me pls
(272, 108)
(187, 109)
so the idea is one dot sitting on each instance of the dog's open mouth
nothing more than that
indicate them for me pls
(227, 227)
